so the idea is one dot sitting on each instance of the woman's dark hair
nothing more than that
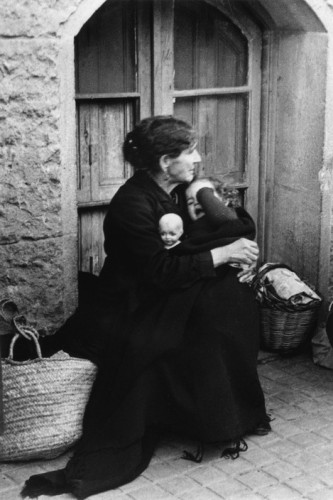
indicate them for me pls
(154, 137)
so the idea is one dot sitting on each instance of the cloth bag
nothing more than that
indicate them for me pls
(43, 403)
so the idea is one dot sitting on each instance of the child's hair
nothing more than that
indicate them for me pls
(229, 194)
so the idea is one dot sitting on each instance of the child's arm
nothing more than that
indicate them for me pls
(215, 210)
(232, 222)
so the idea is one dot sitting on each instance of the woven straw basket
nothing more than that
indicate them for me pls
(285, 331)
(44, 401)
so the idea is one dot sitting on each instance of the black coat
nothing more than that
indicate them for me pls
(176, 342)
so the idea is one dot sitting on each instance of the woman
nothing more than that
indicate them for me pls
(175, 338)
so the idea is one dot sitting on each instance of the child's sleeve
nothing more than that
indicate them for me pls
(215, 210)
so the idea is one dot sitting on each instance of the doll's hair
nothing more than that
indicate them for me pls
(154, 137)
(171, 218)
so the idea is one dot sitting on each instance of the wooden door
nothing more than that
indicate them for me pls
(217, 88)
(135, 58)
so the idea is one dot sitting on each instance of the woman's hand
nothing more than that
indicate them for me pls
(243, 251)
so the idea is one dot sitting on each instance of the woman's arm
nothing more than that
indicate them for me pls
(132, 242)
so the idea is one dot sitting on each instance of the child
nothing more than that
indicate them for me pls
(212, 219)
(170, 227)
(214, 222)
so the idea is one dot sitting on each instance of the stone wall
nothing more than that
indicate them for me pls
(31, 236)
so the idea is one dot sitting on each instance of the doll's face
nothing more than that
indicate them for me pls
(170, 229)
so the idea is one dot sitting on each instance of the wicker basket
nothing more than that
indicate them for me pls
(285, 331)
(284, 326)
(44, 401)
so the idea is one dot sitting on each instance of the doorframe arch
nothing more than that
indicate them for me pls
(309, 11)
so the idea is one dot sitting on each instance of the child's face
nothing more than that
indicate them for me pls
(194, 208)
(170, 232)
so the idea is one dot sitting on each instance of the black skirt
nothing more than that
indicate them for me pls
(185, 363)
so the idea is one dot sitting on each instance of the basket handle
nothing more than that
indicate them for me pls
(268, 268)
(27, 332)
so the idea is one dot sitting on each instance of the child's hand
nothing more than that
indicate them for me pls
(246, 274)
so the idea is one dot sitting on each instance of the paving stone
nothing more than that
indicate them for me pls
(307, 439)
(199, 494)
(288, 412)
(106, 495)
(324, 451)
(305, 483)
(22, 473)
(312, 423)
(324, 494)
(306, 460)
(280, 492)
(207, 475)
(259, 457)
(257, 479)
(235, 467)
(6, 482)
(228, 488)
(160, 470)
(326, 431)
(244, 495)
(264, 441)
(284, 447)
(178, 484)
(282, 470)
(149, 493)
(325, 474)
(183, 466)
(291, 397)
(285, 428)
(10, 494)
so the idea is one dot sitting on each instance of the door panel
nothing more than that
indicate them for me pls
(221, 125)
(105, 50)
(102, 129)
(210, 51)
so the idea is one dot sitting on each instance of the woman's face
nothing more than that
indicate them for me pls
(182, 168)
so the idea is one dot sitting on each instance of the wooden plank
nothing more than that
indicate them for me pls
(163, 56)
(184, 33)
(91, 240)
(86, 49)
(270, 56)
(253, 123)
(2, 419)
(144, 63)
(108, 168)
(84, 152)
(211, 91)
(107, 95)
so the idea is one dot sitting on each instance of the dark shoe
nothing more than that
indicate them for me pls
(263, 428)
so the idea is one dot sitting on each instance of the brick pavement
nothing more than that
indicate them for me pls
(293, 462)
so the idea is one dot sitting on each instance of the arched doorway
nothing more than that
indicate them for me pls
(134, 59)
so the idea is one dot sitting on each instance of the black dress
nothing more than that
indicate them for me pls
(176, 342)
